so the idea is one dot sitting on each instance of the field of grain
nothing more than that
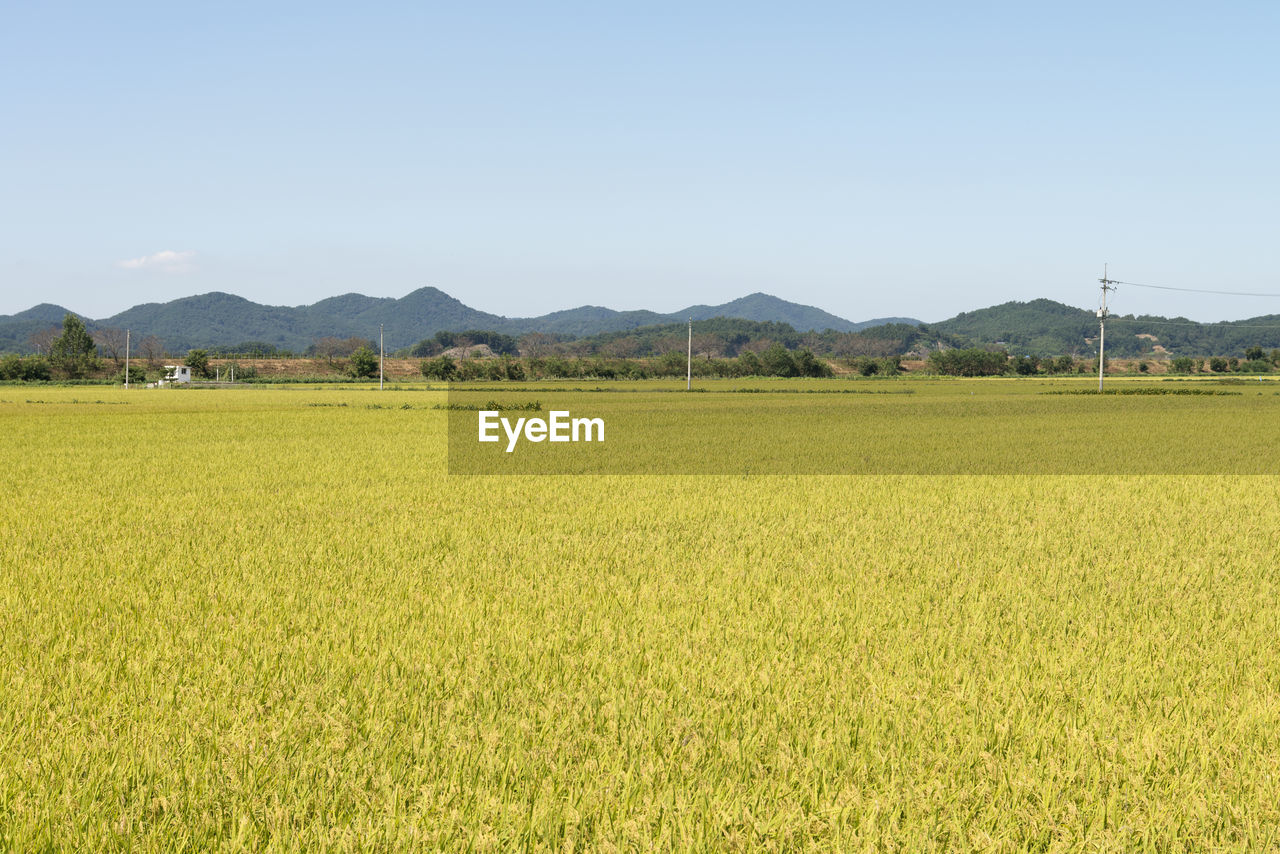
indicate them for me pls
(269, 619)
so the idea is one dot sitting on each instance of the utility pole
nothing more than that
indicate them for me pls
(126, 358)
(381, 351)
(1107, 285)
(688, 384)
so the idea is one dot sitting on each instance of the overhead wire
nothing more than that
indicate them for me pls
(1232, 323)
(1198, 290)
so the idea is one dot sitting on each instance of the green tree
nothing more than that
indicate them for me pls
(73, 351)
(556, 366)
(364, 363)
(808, 365)
(14, 367)
(1182, 364)
(865, 365)
(198, 362)
(1253, 354)
(749, 364)
(777, 361)
(441, 368)
(672, 363)
(511, 369)
(136, 375)
(890, 366)
(1026, 365)
(973, 362)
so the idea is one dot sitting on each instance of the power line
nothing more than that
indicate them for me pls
(1199, 290)
(1233, 324)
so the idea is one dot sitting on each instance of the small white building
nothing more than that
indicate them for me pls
(176, 374)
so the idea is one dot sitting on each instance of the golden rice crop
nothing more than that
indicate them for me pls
(259, 619)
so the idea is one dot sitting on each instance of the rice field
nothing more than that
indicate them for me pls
(271, 620)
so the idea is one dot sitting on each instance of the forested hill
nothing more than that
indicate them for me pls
(1043, 327)
(17, 331)
(1039, 327)
(769, 309)
(224, 320)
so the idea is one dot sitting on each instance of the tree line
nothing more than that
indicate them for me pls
(978, 362)
(775, 361)
(724, 348)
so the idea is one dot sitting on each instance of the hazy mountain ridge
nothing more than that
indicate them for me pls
(219, 319)
(1037, 327)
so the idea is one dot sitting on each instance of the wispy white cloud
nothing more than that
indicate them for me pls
(164, 261)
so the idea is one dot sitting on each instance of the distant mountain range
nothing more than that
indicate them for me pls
(224, 320)
(1038, 327)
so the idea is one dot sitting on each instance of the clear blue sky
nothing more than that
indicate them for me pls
(869, 158)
